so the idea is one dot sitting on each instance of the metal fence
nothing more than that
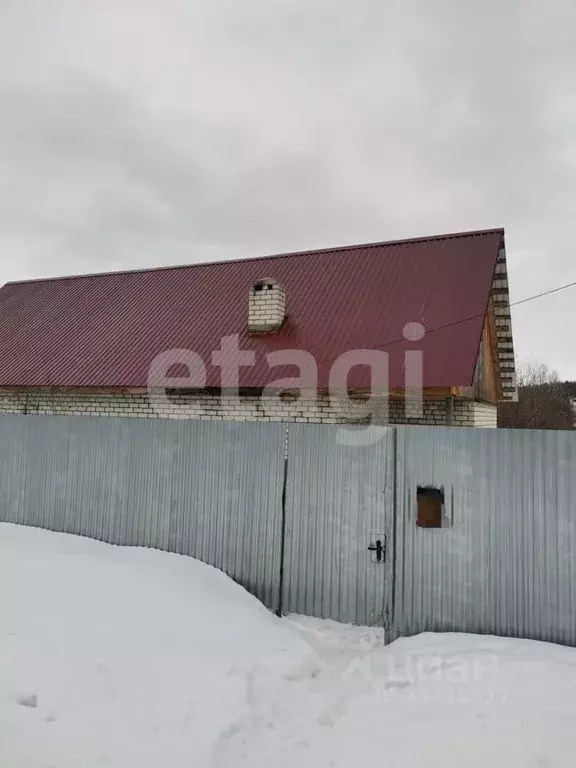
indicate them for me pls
(212, 490)
(326, 529)
(505, 564)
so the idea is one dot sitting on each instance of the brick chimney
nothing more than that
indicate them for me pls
(266, 306)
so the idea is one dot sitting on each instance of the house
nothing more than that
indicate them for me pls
(318, 336)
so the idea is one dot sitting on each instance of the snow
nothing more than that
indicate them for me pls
(117, 657)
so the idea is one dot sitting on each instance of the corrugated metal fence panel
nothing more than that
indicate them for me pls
(506, 563)
(338, 497)
(207, 489)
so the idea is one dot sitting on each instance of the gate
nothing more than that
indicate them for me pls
(339, 548)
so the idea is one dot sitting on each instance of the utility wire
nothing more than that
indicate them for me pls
(471, 317)
(474, 317)
(545, 293)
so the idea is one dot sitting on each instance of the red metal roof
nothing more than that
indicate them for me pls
(104, 330)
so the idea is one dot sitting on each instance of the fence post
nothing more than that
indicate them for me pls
(283, 525)
(390, 633)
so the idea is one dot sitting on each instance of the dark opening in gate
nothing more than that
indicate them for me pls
(430, 507)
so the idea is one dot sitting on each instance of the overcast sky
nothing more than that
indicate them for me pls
(136, 133)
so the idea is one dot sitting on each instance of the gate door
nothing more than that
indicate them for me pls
(339, 532)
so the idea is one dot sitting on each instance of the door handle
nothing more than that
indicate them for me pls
(380, 550)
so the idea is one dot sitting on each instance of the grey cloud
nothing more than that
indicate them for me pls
(270, 126)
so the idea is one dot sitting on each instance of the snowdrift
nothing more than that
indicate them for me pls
(123, 657)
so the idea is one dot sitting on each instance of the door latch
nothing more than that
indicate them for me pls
(379, 548)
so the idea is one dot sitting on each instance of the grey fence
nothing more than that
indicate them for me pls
(325, 529)
(506, 562)
(212, 490)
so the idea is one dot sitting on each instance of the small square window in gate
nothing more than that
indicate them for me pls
(430, 507)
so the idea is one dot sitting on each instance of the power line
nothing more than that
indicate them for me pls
(545, 293)
(475, 317)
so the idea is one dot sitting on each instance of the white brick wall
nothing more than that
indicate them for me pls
(485, 415)
(306, 408)
(266, 307)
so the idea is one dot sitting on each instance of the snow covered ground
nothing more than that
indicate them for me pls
(132, 657)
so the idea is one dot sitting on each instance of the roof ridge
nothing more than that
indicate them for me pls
(287, 254)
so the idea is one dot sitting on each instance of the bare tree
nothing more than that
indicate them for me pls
(544, 402)
(529, 373)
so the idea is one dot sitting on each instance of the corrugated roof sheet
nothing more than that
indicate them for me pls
(104, 330)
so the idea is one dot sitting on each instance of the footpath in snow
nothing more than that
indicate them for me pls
(119, 657)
